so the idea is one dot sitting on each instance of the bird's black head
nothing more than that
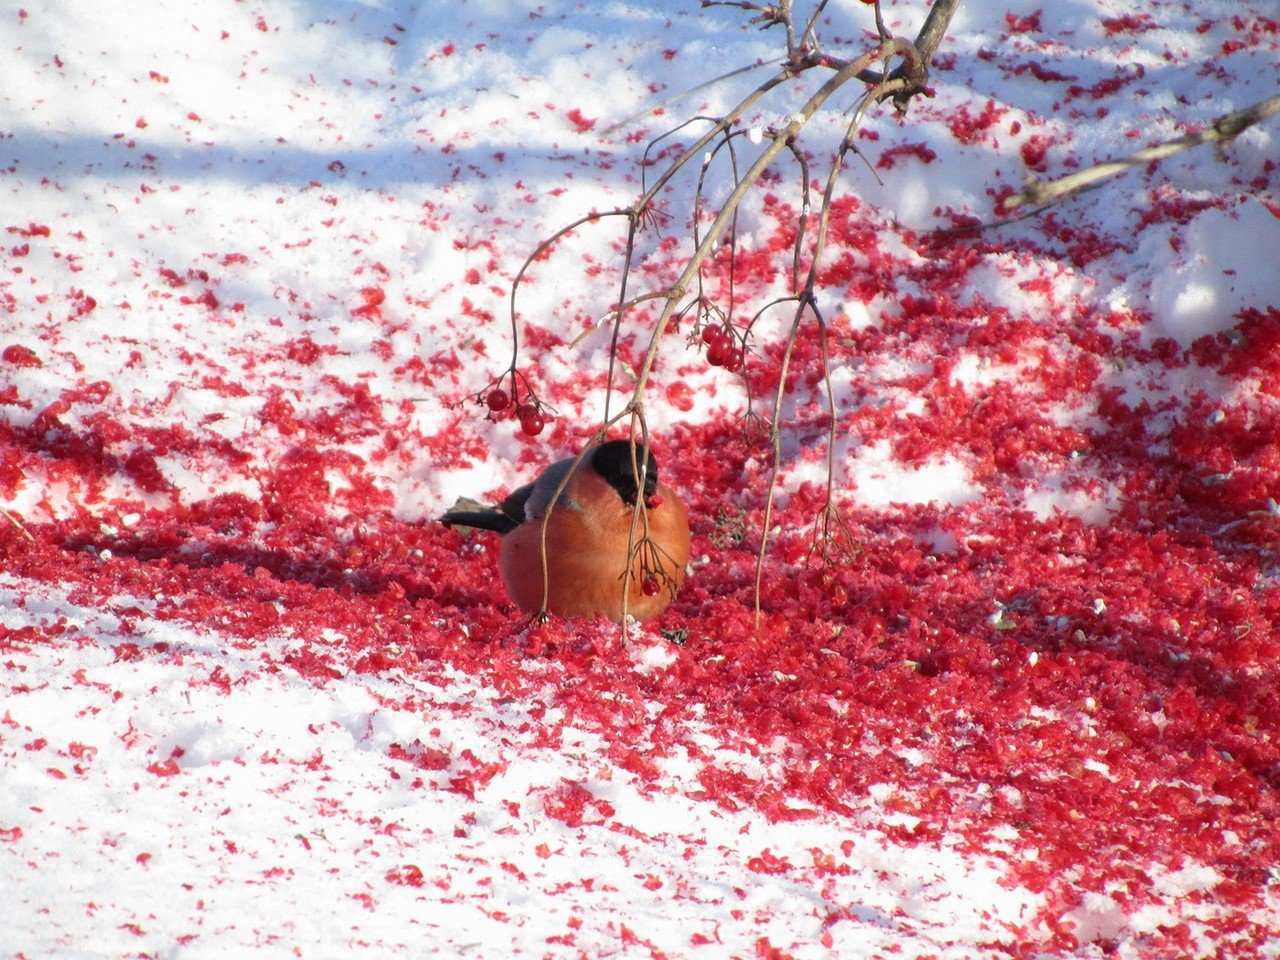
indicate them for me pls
(612, 461)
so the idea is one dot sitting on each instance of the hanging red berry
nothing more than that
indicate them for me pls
(531, 420)
(719, 351)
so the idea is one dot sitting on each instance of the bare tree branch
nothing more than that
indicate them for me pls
(780, 142)
(895, 68)
(1221, 132)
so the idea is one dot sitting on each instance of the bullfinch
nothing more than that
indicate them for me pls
(588, 534)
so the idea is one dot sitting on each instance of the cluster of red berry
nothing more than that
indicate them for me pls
(530, 415)
(723, 349)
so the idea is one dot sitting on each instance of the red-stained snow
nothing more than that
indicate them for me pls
(253, 300)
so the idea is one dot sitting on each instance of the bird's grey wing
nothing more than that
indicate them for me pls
(535, 498)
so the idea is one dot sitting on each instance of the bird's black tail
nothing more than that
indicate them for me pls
(481, 519)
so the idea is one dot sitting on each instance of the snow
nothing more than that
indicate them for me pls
(881, 480)
(1200, 295)
(179, 817)
(253, 701)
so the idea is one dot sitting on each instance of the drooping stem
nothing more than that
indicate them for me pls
(779, 143)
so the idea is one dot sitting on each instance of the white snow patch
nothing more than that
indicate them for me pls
(879, 480)
(1215, 278)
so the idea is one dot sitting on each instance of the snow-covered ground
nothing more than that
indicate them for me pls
(256, 267)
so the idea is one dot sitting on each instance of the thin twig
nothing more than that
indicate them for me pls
(633, 226)
(806, 297)
(612, 315)
(14, 520)
(639, 510)
(803, 225)
(766, 157)
(685, 94)
(775, 448)
(809, 39)
(882, 32)
(726, 142)
(724, 123)
(1221, 132)
(538, 251)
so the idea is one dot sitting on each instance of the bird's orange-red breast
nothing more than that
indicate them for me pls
(587, 533)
